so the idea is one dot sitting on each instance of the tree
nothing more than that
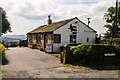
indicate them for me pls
(5, 23)
(110, 19)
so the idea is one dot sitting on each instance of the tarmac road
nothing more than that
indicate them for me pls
(32, 63)
(21, 59)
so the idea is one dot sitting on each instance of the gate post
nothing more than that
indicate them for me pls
(66, 53)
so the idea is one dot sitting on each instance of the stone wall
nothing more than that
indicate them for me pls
(41, 44)
(49, 39)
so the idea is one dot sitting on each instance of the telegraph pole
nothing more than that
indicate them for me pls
(1, 40)
(116, 27)
(1, 24)
(88, 21)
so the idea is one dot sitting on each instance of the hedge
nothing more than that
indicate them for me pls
(2, 52)
(12, 44)
(94, 54)
(115, 41)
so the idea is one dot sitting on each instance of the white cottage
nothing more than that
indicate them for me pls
(52, 36)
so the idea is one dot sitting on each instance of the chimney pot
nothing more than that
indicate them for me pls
(49, 21)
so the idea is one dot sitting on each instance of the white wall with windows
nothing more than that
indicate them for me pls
(84, 35)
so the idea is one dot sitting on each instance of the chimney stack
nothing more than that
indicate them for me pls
(49, 21)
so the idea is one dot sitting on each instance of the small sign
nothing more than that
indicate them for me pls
(109, 54)
(48, 47)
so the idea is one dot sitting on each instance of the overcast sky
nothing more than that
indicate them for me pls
(26, 15)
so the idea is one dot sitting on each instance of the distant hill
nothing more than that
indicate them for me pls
(22, 37)
(12, 38)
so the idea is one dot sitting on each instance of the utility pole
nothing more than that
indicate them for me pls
(88, 21)
(119, 18)
(116, 27)
(1, 40)
(119, 3)
(1, 24)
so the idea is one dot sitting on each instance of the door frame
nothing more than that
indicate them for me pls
(45, 40)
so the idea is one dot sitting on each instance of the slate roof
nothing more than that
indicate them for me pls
(54, 26)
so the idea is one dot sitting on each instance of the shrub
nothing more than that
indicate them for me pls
(2, 52)
(115, 41)
(34, 46)
(94, 54)
(12, 44)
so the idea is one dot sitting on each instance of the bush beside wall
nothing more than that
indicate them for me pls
(2, 52)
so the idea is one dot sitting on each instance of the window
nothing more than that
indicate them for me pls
(57, 38)
(87, 39)
(38, 38)
(72, 38)
(30, 38)
(34, 36)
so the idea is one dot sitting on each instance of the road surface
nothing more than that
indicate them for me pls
(28, 59)
(32, 63)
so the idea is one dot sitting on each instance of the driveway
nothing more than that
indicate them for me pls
(32, 63)
(21, 59)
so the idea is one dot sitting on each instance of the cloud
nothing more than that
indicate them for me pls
(34, 12)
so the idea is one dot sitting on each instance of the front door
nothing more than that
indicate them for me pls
(72, 38)
(45, 40)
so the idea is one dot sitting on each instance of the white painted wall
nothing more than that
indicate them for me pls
(83, 32)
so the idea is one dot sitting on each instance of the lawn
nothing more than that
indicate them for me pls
(57, 55)
(78, 67)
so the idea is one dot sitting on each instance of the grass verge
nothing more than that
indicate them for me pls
(1, 71)
(106, 67)
(57, 55)
(78, 67)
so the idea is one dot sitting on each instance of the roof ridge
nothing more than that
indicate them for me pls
(54, 26)
(59, 21)
(65, 19)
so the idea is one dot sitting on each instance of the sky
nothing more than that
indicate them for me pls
(26, 15)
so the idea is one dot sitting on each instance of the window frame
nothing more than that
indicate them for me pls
(30, 38)
(59, 38)
(38, 38)
(88, 39)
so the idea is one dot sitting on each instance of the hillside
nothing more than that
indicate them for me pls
(12, 38)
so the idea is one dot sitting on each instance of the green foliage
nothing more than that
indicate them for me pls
(5, 23)
(34, 46)
(2, 51)
(14, 44)
(77, 67)
(94, 54)
(57, 55)
(110, 21)
(115, 41)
